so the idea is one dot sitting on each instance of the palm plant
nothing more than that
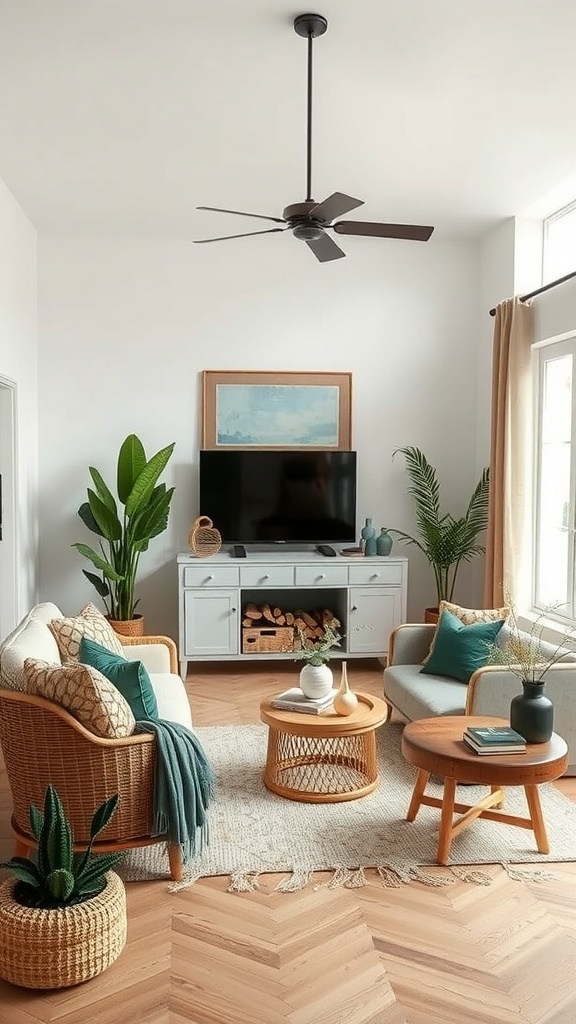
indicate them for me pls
(125, 535)
(444, 540)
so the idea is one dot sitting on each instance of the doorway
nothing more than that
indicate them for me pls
(8, 539)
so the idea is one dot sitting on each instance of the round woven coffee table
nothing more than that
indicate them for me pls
(323, 758)
(435, 746)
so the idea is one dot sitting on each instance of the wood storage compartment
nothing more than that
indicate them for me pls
(268, 628)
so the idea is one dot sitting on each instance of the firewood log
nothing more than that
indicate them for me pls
(289, 619)
(267, 613)
(247, 623)
(309, 620)
(281, 620)
(276, 612)
(252, 612)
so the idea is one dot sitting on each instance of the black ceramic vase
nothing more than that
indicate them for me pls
(532, 713)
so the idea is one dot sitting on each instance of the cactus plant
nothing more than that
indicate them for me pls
(59, 877)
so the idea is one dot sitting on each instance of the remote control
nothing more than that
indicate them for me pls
(326, 550)
(239, 551)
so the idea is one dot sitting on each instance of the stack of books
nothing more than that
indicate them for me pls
(494, 739)
(295, 700)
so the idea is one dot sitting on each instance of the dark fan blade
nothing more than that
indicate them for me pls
(246, 234)
(412, 232)
(335, 206)
(325, 249)
(240, 213)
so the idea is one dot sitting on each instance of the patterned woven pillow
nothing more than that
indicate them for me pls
(89, 623)
(85, 693)
(468, 616)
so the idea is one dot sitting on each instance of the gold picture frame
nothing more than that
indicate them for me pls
(269, 409)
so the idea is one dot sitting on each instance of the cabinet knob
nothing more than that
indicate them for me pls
(354, 608)
(374, 575)
(266, 576)
(233, 609)
(321, 576)
(210, 577)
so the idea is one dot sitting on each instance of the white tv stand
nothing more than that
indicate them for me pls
(367, 592)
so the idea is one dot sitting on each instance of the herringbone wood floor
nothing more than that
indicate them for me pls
(501, 954)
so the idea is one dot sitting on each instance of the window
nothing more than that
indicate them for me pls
(555, 492)
(559, 254)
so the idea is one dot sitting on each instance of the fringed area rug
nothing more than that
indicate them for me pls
(253, 831)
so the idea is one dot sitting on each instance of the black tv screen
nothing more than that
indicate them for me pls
(279, 497)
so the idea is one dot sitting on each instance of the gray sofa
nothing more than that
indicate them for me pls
(417, 695)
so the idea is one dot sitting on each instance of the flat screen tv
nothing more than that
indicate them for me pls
(279, 497)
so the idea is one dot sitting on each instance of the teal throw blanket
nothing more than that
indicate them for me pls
(184, 786)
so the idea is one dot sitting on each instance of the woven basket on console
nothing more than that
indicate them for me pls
(56, 948)
(204, 538)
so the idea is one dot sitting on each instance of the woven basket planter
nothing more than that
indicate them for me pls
(128, 627)
(57, 948)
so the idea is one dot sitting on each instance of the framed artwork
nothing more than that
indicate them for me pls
(267, 409)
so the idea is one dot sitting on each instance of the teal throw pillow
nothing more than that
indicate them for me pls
(459, 649)
(130, 677)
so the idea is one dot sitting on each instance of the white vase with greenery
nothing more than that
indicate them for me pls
(316, 679)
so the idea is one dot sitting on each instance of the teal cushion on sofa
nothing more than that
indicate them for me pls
(459, 649)
(130, 677)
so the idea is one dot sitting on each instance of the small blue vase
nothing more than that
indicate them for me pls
(383, 542)
(369, 537)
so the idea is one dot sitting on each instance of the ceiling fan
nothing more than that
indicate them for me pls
(310, 220)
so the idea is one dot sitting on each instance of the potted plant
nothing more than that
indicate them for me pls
(316, 678)
(126, 534)
(445, 541)
(62, 915)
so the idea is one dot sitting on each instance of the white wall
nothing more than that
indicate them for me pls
(18, 347)
(126, 327)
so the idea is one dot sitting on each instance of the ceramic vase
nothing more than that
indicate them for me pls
(369, 537)
(383, 542)
(316, 680)
(532, 713)
(345, 702)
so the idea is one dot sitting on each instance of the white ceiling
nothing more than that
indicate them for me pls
(124, 115)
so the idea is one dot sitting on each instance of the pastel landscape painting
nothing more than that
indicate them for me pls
(286, 415)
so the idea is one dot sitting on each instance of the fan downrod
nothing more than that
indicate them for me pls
(310, 25)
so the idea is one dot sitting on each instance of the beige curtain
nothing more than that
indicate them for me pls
(508, 547)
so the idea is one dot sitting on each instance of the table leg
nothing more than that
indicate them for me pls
(537, 819)
(446, 820)
(495, 789)
(420, 786)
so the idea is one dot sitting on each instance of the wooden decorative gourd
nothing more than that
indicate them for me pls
(204, 538)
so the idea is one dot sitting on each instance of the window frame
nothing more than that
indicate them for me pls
(544, 352)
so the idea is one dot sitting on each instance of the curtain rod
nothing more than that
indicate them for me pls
(544, 288)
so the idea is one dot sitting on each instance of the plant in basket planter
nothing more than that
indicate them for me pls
(125, 534)
(445, 540)
(62, 915)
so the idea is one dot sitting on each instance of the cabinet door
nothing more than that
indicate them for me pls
(380, 609)
(211, 622)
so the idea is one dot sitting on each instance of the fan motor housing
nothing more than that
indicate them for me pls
(309, 232)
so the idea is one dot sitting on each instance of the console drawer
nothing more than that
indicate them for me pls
(266, 575)
(321, 575)
(376, 574)
(210, 575)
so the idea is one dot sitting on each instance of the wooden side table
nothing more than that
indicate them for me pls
(435, 746)
(323, 758)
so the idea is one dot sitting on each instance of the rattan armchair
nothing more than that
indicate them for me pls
(43, 744)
